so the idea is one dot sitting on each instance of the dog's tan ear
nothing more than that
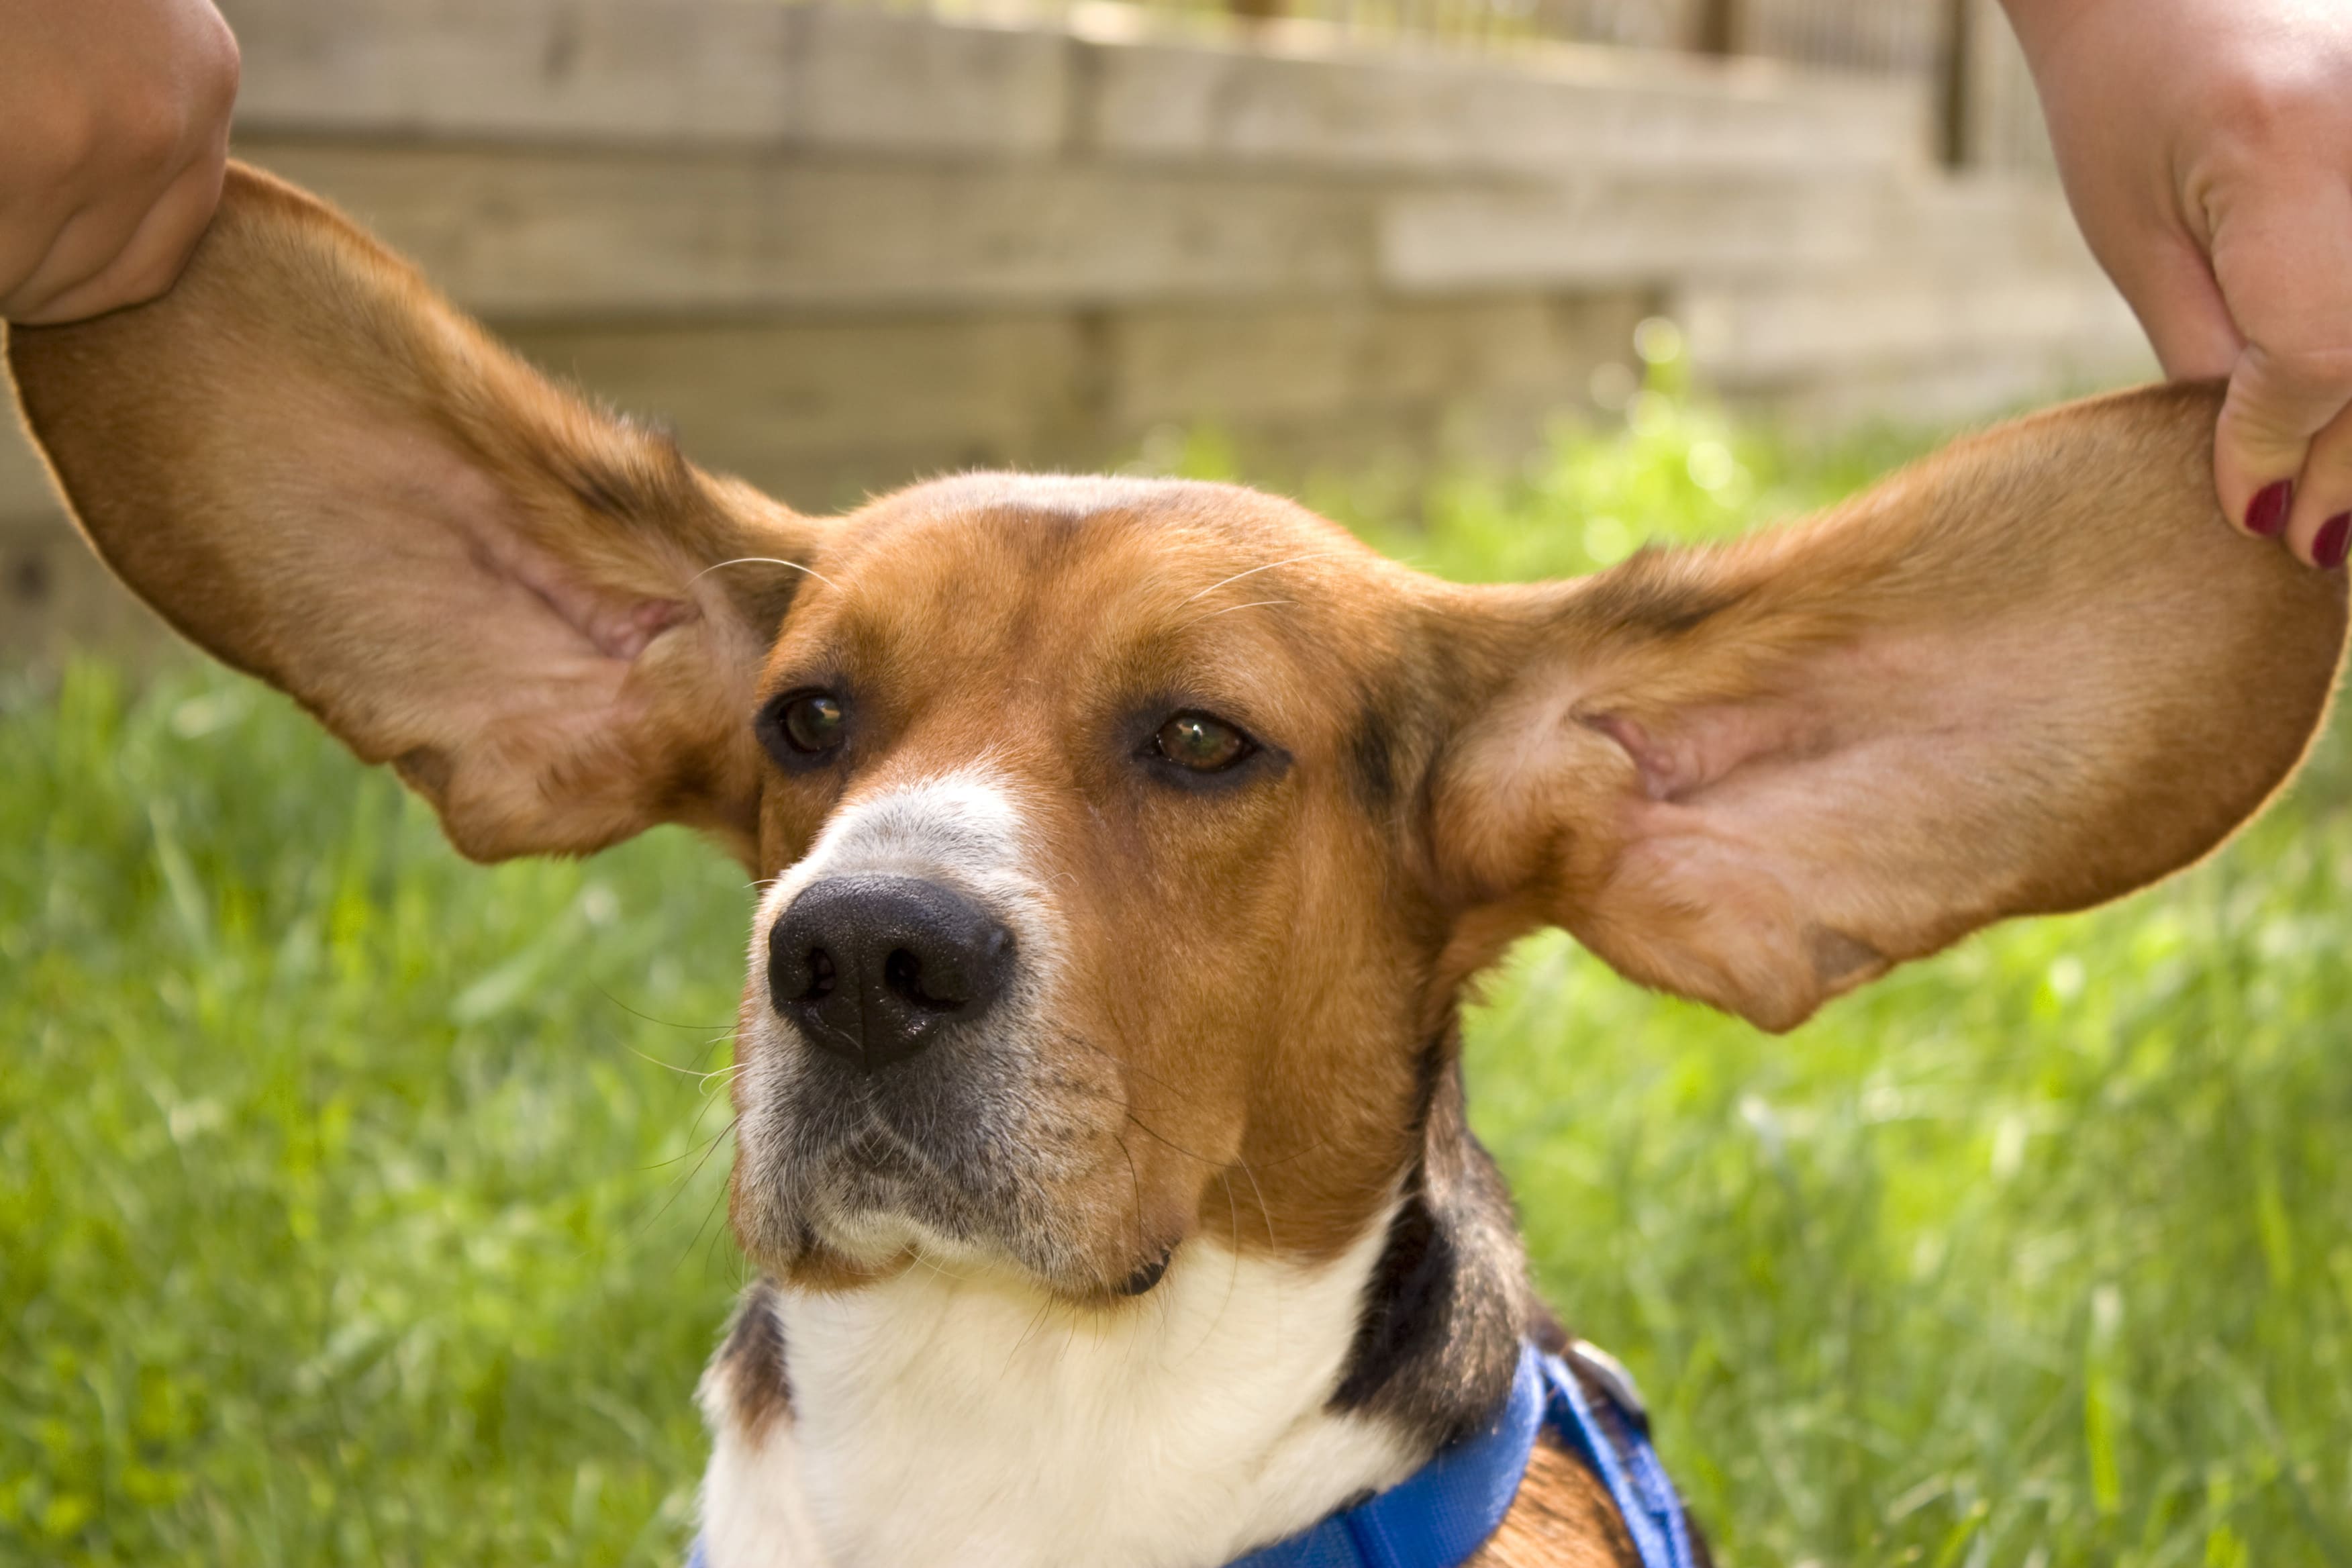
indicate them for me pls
(2027, 676)
(320, 472)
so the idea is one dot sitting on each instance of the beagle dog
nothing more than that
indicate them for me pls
(1127, 847)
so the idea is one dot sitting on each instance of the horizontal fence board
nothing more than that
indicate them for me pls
(1782, 330)
(1601, 231)
(522, 233)
(810, 405)
(786, 404)
(1435, 114)
(755, 73)
(604, 71)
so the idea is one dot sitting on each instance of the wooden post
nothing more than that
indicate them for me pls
(1722, 27)
(1956, 108)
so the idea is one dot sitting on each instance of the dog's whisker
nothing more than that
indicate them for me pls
(1229, 609)
(1288, 560)
(716, 1200)
(702, 1075)
(765, 560)
(648, 1017)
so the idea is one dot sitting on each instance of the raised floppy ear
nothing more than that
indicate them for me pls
(2027, 676)
(318, 470)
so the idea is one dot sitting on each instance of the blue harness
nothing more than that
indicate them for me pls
(1442, 1513)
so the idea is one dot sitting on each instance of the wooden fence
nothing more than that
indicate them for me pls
(837, 246)
(1985, 110)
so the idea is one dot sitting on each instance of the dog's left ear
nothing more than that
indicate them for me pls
(2027, 676)
(306, 460)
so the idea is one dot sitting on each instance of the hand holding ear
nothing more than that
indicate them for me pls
(114, 136)
(2206, 150)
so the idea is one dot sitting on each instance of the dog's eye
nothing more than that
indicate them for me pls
(803, 726)
(1202, 744)
(813, 722)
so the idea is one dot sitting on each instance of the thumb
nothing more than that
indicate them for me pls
(2285, 270)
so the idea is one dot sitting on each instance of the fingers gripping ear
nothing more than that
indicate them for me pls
(322, 474)
(2026, 676)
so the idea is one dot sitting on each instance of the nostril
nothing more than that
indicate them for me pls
(904, 973)
(823, 975)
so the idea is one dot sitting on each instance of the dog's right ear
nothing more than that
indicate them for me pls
(320, 471)
(2026, 676)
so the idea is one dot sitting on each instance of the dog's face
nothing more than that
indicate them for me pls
(1083, 825)
(1125, 845)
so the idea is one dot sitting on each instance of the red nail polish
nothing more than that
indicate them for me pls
(2327, 546)
(2267, 514)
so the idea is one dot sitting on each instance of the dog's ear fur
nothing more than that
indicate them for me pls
(320, 472)
(2026, 676)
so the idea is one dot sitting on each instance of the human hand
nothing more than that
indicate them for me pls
(113, 135)
(2207, 151)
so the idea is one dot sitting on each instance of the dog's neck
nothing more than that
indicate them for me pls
(975, 1421)
(969, 1418)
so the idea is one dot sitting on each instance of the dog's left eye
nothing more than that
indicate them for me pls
(1202, 745)
(803, 727)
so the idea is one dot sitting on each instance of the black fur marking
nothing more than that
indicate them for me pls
(1145, 1278)
(1406, 1306)
(1653, 594)
(751, 1361)
(1448, 1301)
(601, 492)
(1372, 750)
(1395, 733)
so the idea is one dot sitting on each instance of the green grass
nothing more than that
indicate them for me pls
(361, 1207)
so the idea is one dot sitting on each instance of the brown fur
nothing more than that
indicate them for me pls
(2028, 675)
(1562, 1518)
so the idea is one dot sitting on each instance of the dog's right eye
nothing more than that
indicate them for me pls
(803, 727)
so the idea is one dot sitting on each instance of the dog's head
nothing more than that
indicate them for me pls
(1125, 845)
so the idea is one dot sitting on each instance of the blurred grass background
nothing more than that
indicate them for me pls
(364, 1206)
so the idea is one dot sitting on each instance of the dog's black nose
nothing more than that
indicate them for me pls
(874, 968)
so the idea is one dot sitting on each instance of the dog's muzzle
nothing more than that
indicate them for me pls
(875, 969)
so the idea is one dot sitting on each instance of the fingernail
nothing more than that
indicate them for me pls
(2267, 514)
(2327, 546)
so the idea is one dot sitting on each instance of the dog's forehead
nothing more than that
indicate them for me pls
(1045, 521)
(1051, 562)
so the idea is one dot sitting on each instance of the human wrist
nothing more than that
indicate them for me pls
(2043, 25)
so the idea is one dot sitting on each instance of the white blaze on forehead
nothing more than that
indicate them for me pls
(963, 828)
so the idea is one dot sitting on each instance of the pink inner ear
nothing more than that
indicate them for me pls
(617, 625)
(1666, 773)
(639, 624)
(1730, 881)
(1786, 847)
(1707, 744)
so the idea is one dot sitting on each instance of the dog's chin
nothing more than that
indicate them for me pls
(870, 1209)
(974, 1163)
(854, 1249)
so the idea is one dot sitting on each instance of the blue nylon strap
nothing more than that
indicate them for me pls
(1442, 1513)
(1627, 1465)
(1439, 1515)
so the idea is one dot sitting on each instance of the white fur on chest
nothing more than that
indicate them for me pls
(970, 1421)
